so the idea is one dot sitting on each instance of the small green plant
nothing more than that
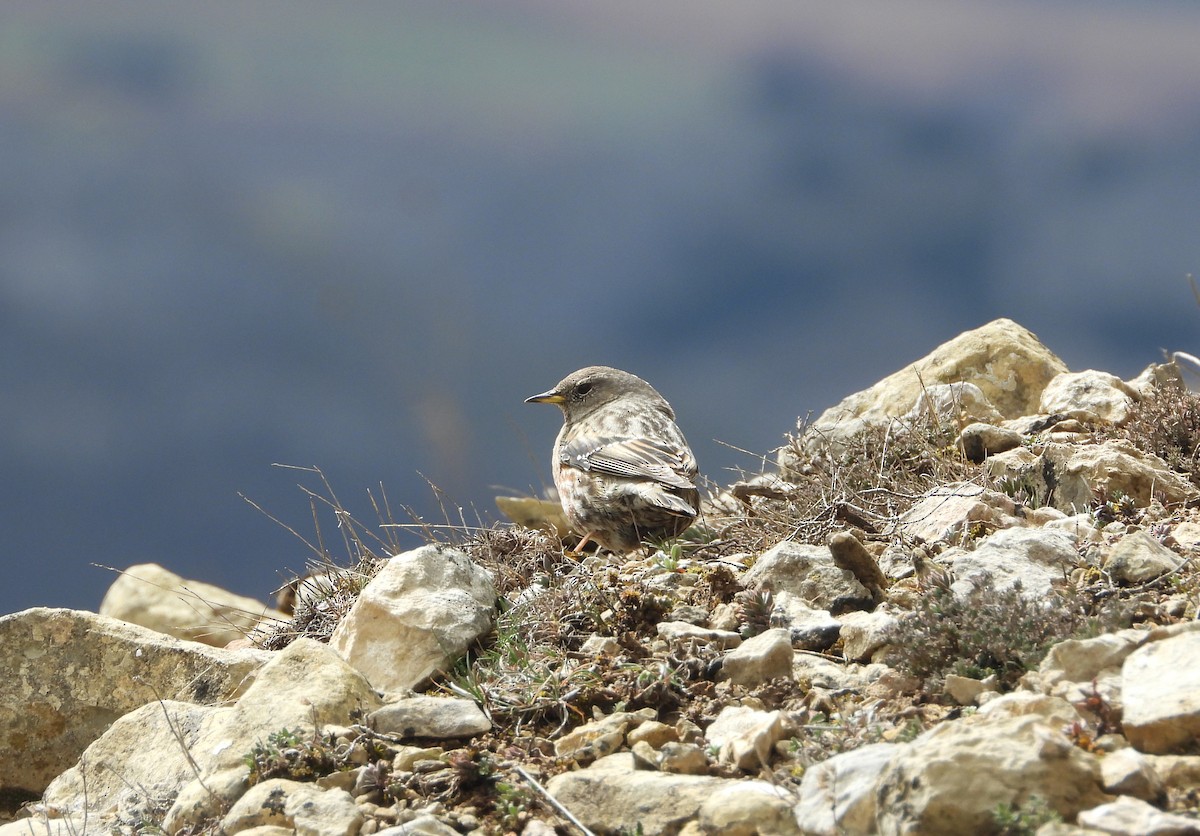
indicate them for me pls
(288, 754)
(668, 554)
(1023, 819)
(512, 805)
(753, 608)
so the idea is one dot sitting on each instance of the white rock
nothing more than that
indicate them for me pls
(150, 596)
(304, 683)
(809, 573)
(863, 633)
(1137, 558)
(430, 826)
(415, 617)
(42, 826)
(1082, 660)
(837, 796)
(682, 630)
(1088, 396)
(1081, 472)
(602, 736)
(745, 736)
(759, 659)
(1131, 817)
(1005, 361)
(951, 778)
(206, 798)
(1129, 772)
(307, 809)
(1160, 685)
(1034, 558)
(425, 716)
(65, 676)
(980, 440)
(748, 808)
(952, 404)
(1054, 710)
(610, 799)
(966, 691)
(596, 644)
(948, 513)
(1187, 535)
(808, 628)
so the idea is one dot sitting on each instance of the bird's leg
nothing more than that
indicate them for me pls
(578, 550)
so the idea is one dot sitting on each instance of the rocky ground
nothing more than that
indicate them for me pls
(962, 601)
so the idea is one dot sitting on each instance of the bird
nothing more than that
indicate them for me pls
(624, 472)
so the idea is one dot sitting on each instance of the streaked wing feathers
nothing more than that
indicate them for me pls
(634, 458)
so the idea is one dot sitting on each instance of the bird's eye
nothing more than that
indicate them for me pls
(583, 388)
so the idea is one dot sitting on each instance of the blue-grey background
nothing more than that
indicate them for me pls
(358, 235)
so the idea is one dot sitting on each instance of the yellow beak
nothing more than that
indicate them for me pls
(547, 397)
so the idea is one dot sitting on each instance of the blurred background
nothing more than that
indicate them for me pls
(357, 236)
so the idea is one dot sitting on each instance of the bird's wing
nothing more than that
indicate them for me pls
(634, 458)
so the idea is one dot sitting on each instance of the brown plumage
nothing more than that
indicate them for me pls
(624, 472)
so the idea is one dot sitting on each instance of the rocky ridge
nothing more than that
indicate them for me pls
(964, 602)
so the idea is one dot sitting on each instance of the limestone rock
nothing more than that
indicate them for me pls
(1089, 396)
(601, 737)
(760, 659)
(303, 684)
(745, 736)
(682, 630)
(953, 404)
(1131, 817)
(966, 691)
(415, 617)
(748, 808)
(1187, 535)
(1077, 670)
(65, 676)
(1129, 772)
(144, 754)
(303, 808)
(950, 779)
(653, 733)
(1005, 361)
(430, 826)
(837, 795)
(1160, 684)
(1034, 558)
(682, 758)
(151, 596)
(1070, 476)
(610, 797)
(206, 798)
(809, 573)
(808, 628)
(1137, 558)
(979, 440)
(948, 513)
(863, 633)
(424, 716)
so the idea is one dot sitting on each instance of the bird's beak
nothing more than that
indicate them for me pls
(547, 397)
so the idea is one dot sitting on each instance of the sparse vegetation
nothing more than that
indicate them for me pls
(1001, 633)
(1023, 819)
(1167, 424)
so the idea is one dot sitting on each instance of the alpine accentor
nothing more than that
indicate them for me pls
(624, 472)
